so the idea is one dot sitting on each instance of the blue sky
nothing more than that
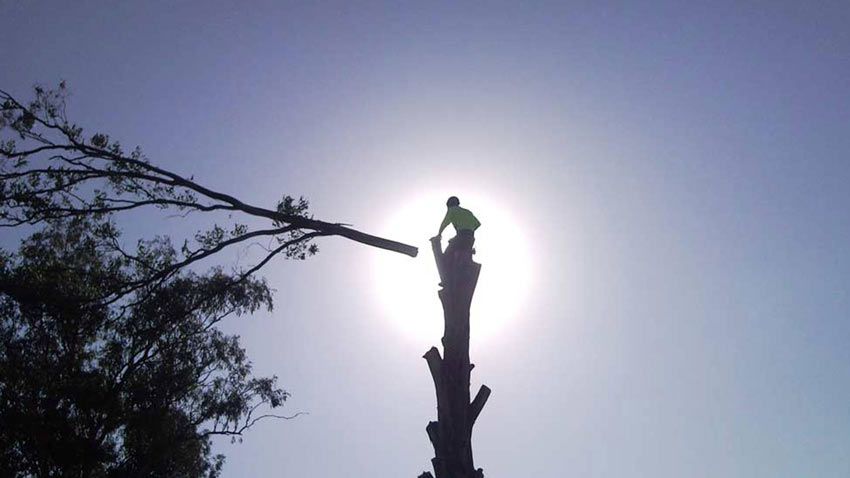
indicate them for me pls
(679, 172)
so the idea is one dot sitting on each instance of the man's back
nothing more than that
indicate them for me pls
(461, 219)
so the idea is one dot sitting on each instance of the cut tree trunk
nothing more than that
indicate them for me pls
(451, 434)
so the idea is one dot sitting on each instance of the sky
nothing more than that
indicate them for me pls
(666, 186)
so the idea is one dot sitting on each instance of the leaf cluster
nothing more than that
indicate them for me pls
(130, 388)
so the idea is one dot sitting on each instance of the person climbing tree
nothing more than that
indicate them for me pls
(465, 224)
(451, 433)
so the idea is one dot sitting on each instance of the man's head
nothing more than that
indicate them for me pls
(453, 201)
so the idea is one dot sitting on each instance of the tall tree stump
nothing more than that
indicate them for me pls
(451, 434)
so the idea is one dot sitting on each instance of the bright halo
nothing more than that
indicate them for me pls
(407, 288)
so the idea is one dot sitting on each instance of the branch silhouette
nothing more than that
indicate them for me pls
(50, 171)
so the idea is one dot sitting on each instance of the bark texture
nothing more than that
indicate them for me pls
(451, 434)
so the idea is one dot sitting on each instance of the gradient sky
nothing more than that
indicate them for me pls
(680, 174)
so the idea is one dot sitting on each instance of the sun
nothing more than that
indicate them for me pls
(407, 288)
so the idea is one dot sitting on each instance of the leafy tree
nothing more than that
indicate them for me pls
(110, 361)
(135, 387)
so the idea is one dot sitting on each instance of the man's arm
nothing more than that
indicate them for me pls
(476, 221)
(446, 221)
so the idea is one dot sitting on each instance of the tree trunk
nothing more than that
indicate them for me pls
(451, 434)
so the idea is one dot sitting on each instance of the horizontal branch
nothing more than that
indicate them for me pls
(369, 239)
(140, 175)
(246, 426)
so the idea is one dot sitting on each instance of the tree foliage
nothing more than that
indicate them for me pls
(135, 387)
(110, 361)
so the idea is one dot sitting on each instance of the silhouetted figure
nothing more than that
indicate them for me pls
(465, 224)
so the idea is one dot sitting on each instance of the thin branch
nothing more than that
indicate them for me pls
(246, 426)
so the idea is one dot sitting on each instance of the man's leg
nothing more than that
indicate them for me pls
(465, 241)
(449, 254)
(459, 247)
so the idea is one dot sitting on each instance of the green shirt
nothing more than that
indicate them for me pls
(460, 218)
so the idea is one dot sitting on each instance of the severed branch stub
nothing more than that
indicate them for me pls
(451, 434)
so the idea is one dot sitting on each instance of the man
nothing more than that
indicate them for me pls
(465, 225)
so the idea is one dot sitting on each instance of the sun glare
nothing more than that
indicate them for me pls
(407, 288)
